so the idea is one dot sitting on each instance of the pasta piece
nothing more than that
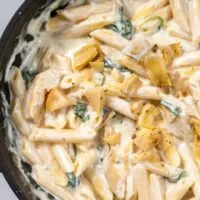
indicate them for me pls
(86, 190)
(96, 98)
(173, 29)
(116, 175)
(156, 187)
(85, 27)
(142, 182)
(100, 184)
(148, 92)
(155, 22)
(162, 169)
(63, 158)
(123, 60)
(56, 23)
(188, 59)
(156, 70)
(190, 166)
(17, 83)
(46, 156)
(64, 136)
(194, 87)
(19, 120)
(85, 11)
(110, 38)
(85, 160)
(29, 151)
(57, 120)
(44, 178)
(56, 99)
(131, 188)
(148, 8)
(35, 97)
(180, 189)
(194, 15)
(180, 14)
(120, 106)
(71, 80)
(138, 47)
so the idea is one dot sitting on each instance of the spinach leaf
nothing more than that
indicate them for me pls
(180, 176)
(28, 76)
(172, 107)
(81, 111)
(73, 181)
(122, 26)
(160, 19)
(108, 63)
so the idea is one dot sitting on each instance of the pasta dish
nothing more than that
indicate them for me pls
(109, 109)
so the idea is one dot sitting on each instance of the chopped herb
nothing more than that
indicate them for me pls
(73, 181)
(173, 108)
(180, 176)
(160, 19)
(81, 111)
(122, 26)
(28, 76)
(105, 111)
(108, 63)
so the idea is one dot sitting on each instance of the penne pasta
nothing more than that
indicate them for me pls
(142, 182)
(85, 11)
(63, 158)
(156, 187)
(63, 136)
(180, 14)
(120, 106)
(110, 38)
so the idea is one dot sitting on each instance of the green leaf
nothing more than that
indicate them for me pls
(73, 181)
(122, 26)
(81, 111)
(180, 176)
(172, 107)
(160, 19)
(28, 76)
(109, 63)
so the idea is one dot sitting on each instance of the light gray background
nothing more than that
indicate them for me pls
(7, 9)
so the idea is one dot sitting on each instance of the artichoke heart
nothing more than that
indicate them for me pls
(56, 100)
(148, 116)
(147, 139)
(131, 84)
(85, 55)
(96, 98)
(156, 70)
(168, 147)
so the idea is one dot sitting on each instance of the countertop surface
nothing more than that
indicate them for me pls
(7, 9)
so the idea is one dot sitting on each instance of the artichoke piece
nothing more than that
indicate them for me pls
(156, 70)
(97, 65)
(148, 117)
(113, 138)
(169, 149)
(147, 139)
(131, 84)
(196, 126)
(85, 55)
(56, 100)
(96, 98)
